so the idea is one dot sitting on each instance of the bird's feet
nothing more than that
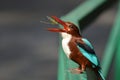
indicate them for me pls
(76, 71)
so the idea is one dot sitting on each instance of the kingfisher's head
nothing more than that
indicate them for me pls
(68, 27)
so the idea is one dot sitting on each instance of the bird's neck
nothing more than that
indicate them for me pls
(66, 36)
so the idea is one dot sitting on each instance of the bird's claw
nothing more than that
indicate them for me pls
(76, 71)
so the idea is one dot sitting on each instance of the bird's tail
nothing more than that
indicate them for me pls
(99, 75)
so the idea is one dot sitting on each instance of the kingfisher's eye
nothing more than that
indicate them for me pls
(71, 26)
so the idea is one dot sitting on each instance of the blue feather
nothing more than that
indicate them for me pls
(100, 73)
(88, 52)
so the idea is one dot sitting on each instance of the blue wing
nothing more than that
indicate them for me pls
(88, 51)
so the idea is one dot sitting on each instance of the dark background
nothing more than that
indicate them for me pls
(28, 51)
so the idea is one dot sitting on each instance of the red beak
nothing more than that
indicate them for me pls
(65, 29)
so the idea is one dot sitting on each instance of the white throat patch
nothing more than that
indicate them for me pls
(66, 38)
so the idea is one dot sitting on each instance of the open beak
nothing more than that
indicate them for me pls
(57, 20)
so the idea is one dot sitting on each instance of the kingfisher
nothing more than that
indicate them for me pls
(77, 48)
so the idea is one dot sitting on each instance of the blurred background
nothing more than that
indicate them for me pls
(28, 51)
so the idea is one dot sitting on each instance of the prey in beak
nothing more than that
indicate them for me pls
(56, 20)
